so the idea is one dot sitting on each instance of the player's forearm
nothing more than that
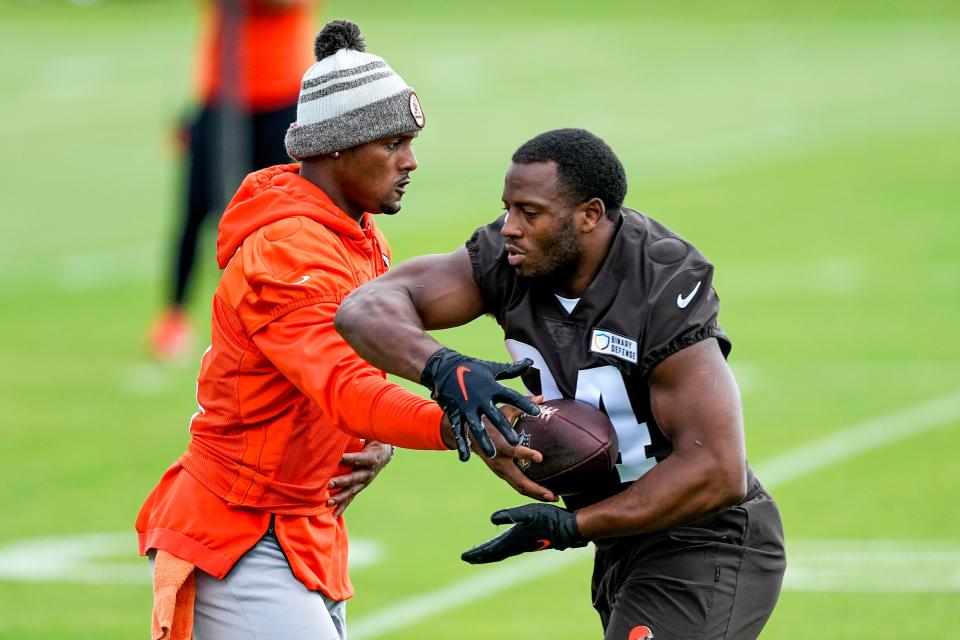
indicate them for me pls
(375, 409)
(382, 325)
(697, 405)
(679, 489)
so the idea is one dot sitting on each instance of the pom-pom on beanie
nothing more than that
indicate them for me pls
(349, 97)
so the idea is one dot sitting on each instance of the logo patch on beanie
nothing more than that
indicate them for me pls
(416, 110)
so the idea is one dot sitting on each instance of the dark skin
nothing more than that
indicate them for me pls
(374, 456)
(693, 394)
(366, 463)
(372, 177)
(369, 177)
(546, 237)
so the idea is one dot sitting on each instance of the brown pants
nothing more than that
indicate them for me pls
(714, 579)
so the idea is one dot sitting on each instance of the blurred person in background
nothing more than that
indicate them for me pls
(245, 530)
(248, 65)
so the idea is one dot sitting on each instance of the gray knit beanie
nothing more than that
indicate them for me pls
(349, 97)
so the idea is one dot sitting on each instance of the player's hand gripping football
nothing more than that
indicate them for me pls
(504, 464)
(467, 389)
(535, 527)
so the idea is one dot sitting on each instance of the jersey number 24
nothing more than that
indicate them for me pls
(593, 384)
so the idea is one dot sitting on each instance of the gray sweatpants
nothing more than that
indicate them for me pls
(260, 599)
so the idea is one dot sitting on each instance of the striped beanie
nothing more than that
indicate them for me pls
(349, 97)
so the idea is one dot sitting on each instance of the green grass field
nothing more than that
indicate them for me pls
(811, 150)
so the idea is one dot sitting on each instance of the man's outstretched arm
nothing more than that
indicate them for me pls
(386, 319)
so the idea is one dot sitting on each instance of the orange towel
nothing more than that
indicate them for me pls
(174, 588)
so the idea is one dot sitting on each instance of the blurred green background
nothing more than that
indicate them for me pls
(811, 150)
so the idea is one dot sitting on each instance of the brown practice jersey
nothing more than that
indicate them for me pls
(652, 297)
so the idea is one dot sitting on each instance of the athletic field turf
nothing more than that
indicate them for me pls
(811, 150)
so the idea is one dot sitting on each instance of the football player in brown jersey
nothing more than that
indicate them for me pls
(613, 309)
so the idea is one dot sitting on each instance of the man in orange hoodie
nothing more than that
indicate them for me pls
(288, 413)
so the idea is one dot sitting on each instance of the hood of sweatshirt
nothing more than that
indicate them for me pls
(279, 192)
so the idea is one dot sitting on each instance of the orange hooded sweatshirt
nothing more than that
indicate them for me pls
(281, 396)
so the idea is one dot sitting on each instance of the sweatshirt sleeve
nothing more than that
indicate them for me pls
(305, 347)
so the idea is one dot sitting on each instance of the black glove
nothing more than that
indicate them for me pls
(535, 527)
(466, 388)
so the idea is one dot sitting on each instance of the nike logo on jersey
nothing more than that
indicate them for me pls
(544, 544)
(300, 281)
(683, 301)
(463, 389)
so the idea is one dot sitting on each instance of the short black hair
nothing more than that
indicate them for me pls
(586, 167)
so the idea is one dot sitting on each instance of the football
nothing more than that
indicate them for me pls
(578, 443)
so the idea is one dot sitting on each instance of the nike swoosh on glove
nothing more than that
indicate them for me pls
(535, 527)
(467, 389)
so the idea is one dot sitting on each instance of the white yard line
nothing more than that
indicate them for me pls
(104, 558)
(486, 583)
(862, 437)
(803, 460)
(102, 269)
(873, 566)
(84, 272)
(886, 566)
